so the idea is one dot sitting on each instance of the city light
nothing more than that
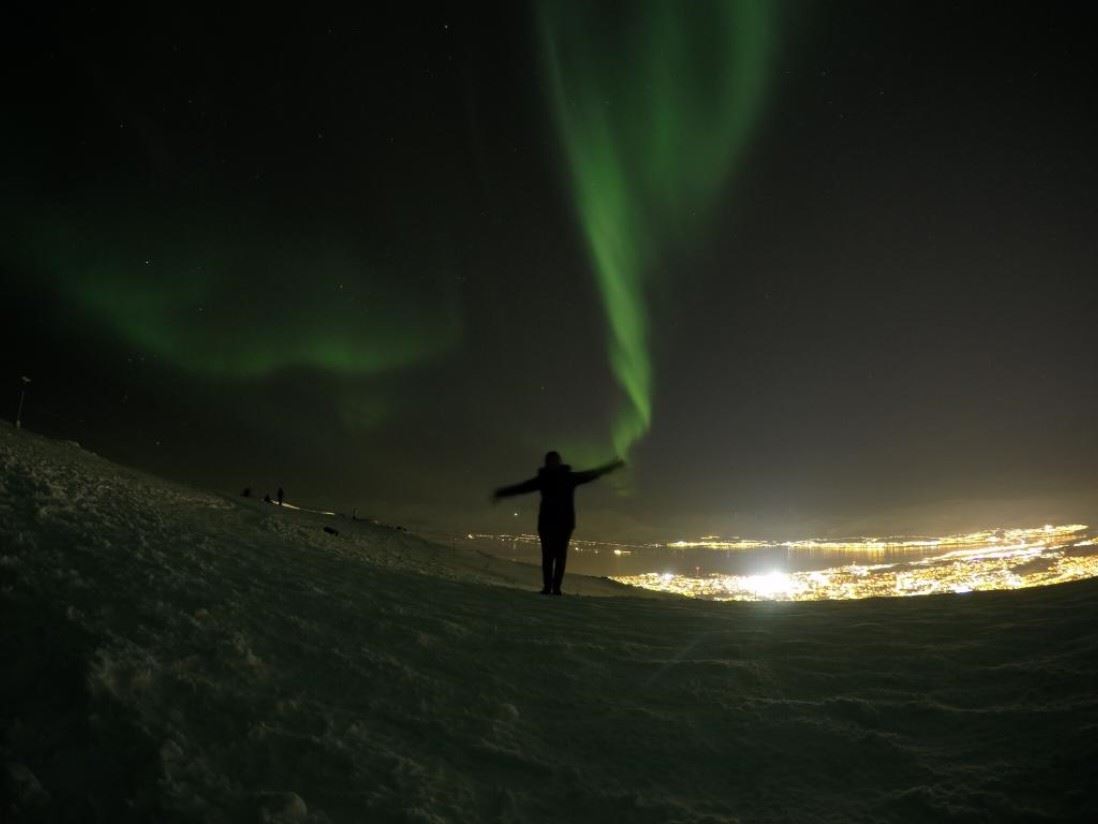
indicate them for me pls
(993, 559)
(981, 538)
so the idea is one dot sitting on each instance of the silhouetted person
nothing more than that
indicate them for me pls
(247, 493)
(557, 514)
(281, 496)
(267, 498)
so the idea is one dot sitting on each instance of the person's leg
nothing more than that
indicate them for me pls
(546, 563)
(560, 556)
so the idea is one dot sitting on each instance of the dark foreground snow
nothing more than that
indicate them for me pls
(170, 654)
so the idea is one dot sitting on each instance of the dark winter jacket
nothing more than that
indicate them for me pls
(557, 485)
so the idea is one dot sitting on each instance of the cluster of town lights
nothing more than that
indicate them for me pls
(994, 559)
(986, 537)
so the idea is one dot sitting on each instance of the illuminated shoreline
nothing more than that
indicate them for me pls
(987, 537)
(990, 560)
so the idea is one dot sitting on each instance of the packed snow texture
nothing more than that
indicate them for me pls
(171, 654)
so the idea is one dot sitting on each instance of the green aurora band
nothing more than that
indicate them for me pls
(244, 308)
(654, 108)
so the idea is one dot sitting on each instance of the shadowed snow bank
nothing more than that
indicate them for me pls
(170, 654)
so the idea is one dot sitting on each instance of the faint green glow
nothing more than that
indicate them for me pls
(654, 107)
(247, 309)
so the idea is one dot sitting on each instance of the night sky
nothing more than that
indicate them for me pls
(809, 267)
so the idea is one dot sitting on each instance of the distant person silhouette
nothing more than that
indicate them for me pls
(281, 496)
(557, 514)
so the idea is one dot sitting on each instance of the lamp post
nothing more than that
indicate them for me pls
(22, 396)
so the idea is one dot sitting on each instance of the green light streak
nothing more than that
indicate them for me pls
(653, 109)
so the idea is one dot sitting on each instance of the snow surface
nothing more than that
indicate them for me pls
(173, 655)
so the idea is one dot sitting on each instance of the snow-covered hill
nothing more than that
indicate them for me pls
(171, 654)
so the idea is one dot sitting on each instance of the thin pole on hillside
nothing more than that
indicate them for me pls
(22, 396)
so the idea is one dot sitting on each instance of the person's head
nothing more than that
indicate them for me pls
(552, 459)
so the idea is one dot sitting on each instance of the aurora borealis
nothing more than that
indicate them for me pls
(813, 269)
(652, 115)
(244, 307)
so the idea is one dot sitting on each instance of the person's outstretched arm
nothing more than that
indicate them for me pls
(591, 474)
(532, 485)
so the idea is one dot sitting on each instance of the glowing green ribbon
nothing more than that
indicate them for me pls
(653, 107)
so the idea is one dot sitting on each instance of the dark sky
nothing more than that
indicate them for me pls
(359, 256)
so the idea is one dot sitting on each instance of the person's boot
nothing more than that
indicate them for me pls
(558, 579)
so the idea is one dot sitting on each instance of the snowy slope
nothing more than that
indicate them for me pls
(171, 654)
